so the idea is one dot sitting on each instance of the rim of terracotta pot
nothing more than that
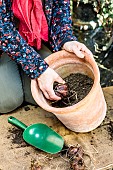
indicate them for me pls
(43, 102)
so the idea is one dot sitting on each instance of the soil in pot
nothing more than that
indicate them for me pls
(79, 85)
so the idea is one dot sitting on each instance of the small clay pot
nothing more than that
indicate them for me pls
(87, 114)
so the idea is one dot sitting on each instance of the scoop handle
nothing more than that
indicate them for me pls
(16, 122)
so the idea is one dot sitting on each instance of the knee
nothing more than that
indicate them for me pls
(11, 91)
(9, 104)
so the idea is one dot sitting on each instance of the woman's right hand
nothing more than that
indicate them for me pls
(46, 81)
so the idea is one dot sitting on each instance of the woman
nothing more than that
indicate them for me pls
(19, 62)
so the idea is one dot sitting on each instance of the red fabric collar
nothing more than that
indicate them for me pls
(33, 25)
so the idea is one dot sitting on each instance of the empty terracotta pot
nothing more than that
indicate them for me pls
(87, 114)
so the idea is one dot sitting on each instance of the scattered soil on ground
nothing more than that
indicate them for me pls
(110, 129)
(73, 154)
(16, 136)
(79, 85)
(35, 165)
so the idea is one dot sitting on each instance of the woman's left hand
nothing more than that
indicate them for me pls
(78, 48)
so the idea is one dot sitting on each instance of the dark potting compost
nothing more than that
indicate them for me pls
(76, 88)
(16, 137)
(110, 129)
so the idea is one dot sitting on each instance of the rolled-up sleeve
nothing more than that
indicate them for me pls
(16, 47)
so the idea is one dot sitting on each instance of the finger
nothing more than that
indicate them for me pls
(83, 48)
(78, 53)
(46, 95)
(53, 96)
(87, 52)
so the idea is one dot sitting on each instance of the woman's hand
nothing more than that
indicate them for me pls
(78, 48)
(46, 81)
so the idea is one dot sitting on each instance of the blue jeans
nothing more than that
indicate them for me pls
(14, 83)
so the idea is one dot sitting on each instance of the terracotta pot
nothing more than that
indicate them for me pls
(87, 114)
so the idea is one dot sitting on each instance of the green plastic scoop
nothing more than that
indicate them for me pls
(40, 136)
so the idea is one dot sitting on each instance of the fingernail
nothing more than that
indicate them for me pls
(63, 82)
(82, 56)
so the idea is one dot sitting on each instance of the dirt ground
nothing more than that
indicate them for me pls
(97, 144)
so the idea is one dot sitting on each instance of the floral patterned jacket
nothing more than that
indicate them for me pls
(60, 31)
